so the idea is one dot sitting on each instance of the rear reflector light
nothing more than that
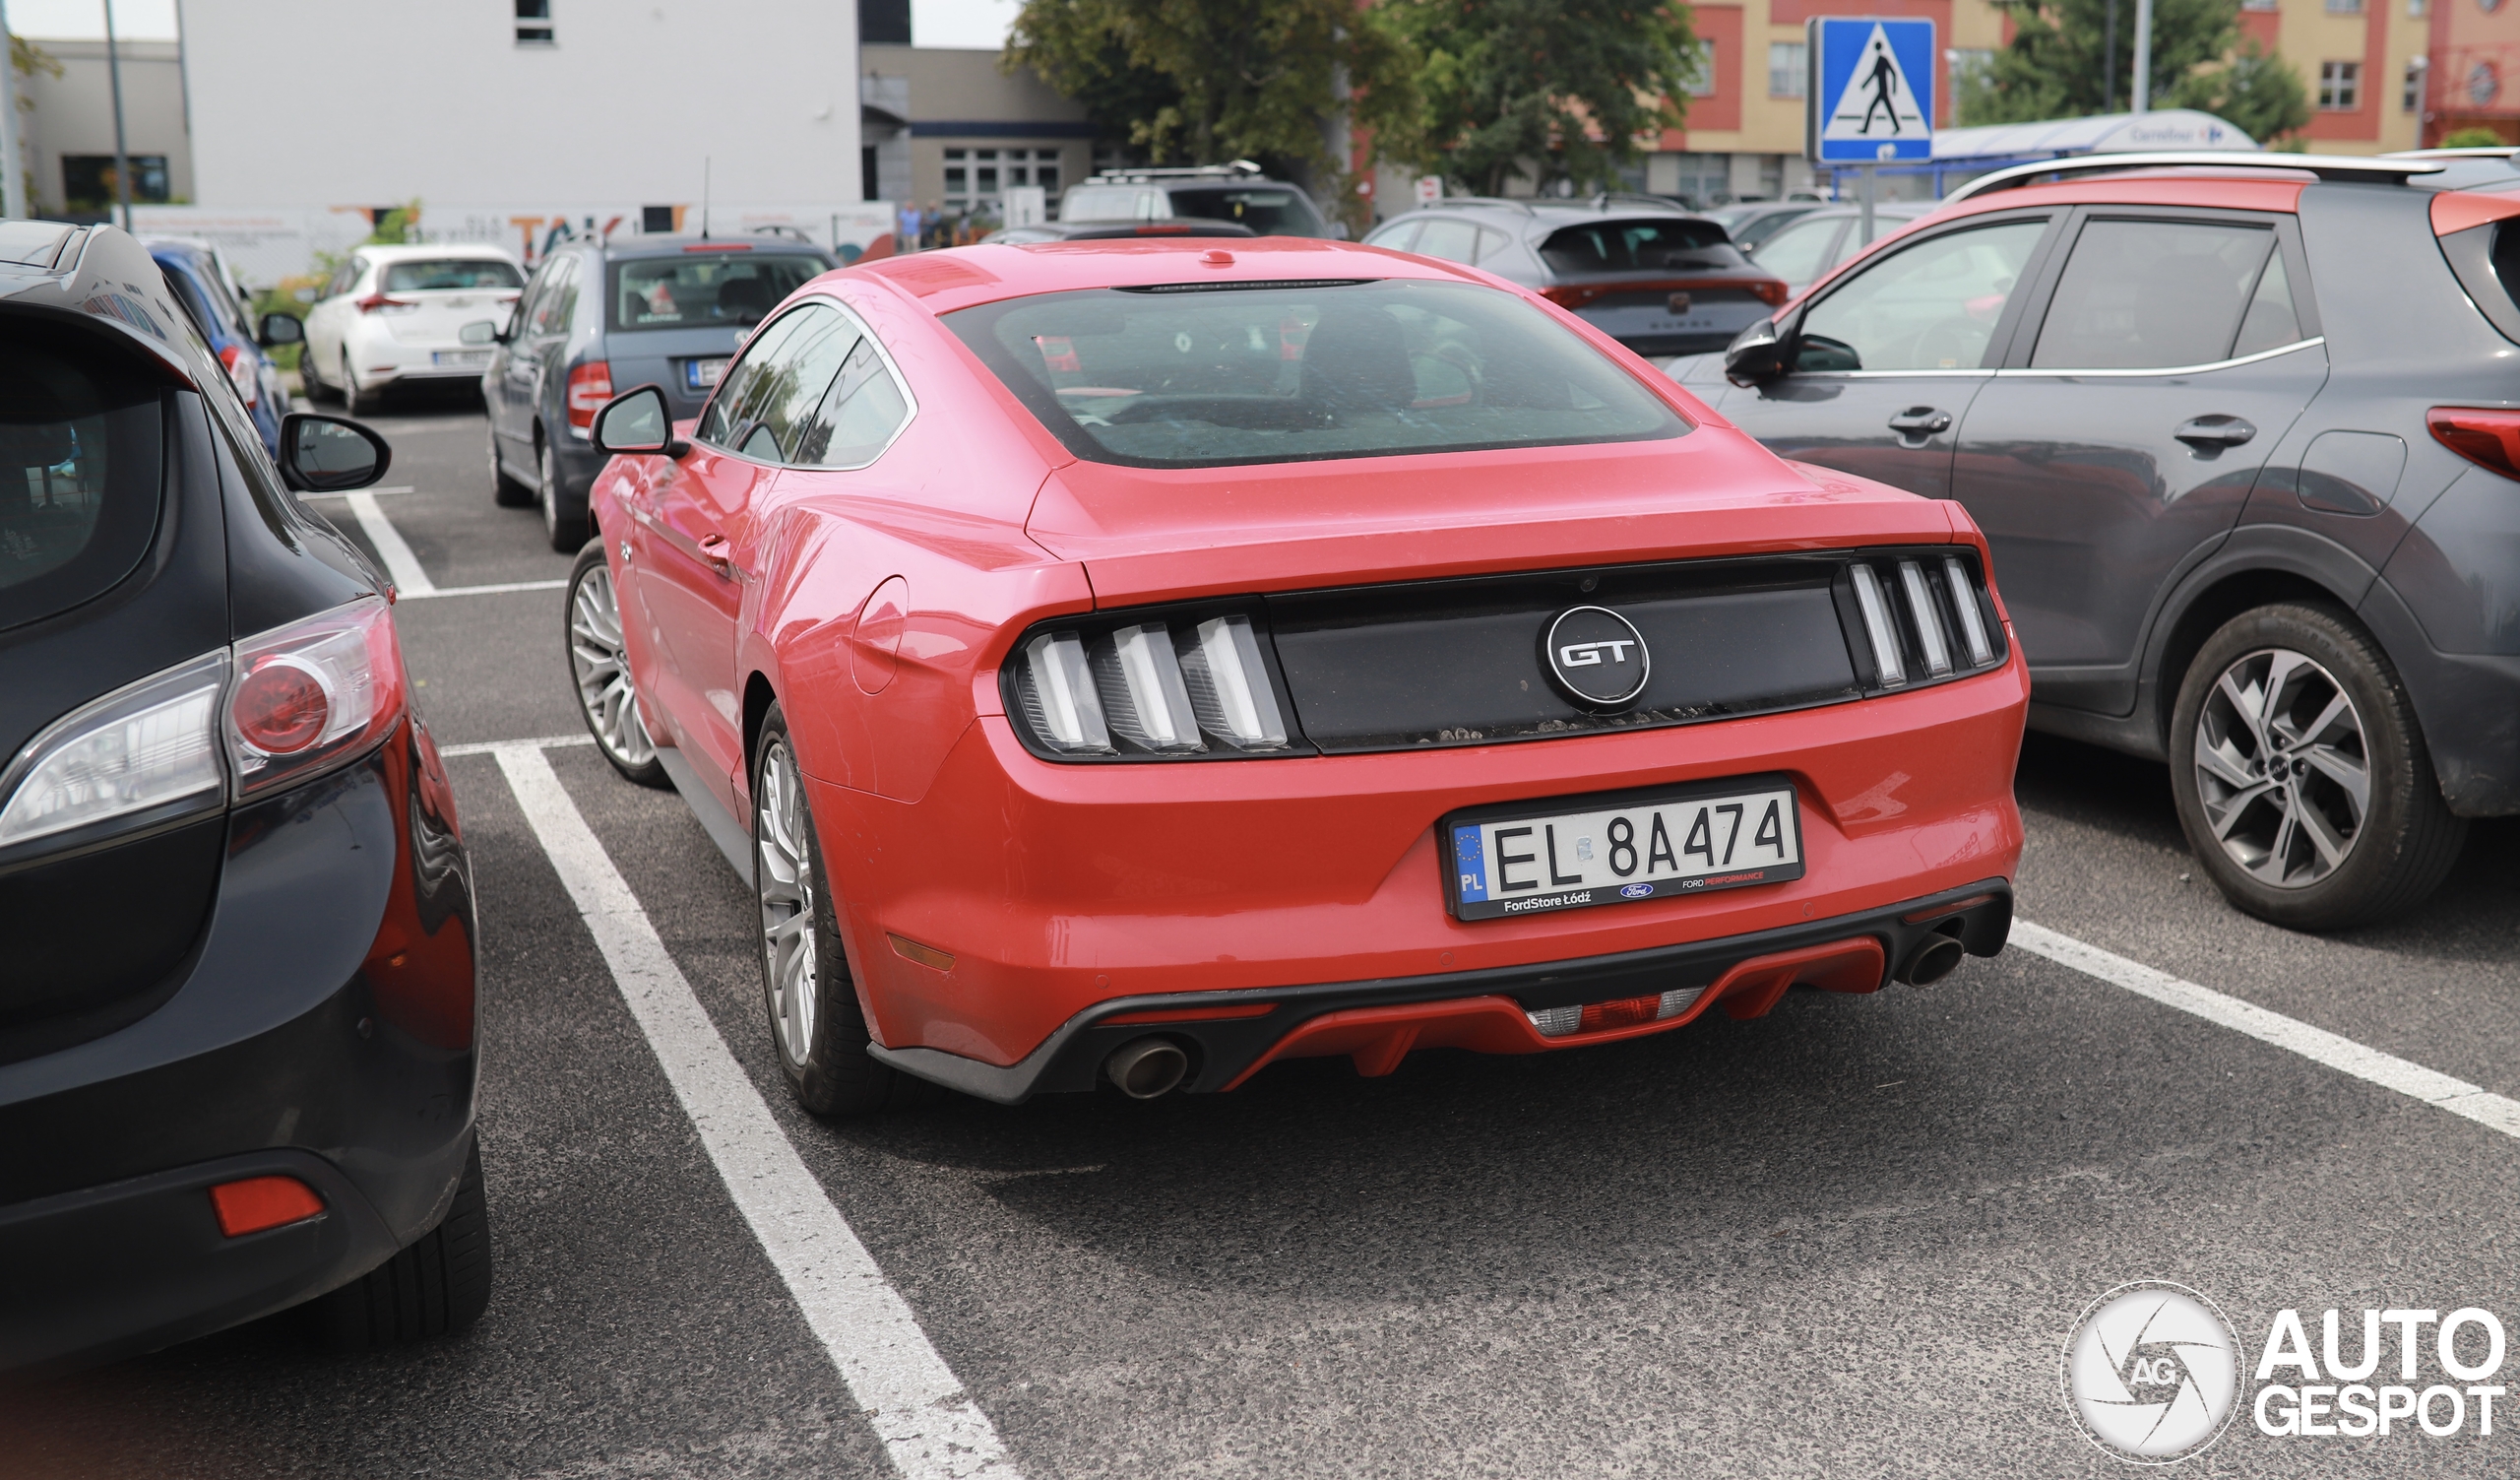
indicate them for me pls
(589, 387)
(313, 691)
(149, 748)
(718, 246)
(1143, 695)
(1230, 687)
(1625, 1012)
(2486, 437)
(1059, 699)
(377, 303)
(259, 1202)
(1770, 292)
(1973, 623)
(1928, 619)
(240, 373)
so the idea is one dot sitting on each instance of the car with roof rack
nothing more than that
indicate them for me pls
(1648, 274)
(1135, 664)
(1241, 192)
(2242, 434)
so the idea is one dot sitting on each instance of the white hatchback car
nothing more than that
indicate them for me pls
(396, 315)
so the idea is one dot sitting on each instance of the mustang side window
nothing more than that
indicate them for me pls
(859, 414)
(1931, 307)
(2153, 295)
(729, 415)
(793, 378)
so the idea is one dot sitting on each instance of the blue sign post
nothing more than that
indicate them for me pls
(1869, 96)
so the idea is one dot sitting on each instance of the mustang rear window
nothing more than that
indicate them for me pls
(1214, 375)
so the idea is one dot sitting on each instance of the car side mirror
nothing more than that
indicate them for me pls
(1338, 230)
(330, 455)
(1757, 355)
(479, 332)
(638, 423)
(278, 329)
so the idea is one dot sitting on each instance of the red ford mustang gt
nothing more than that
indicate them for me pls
(1146, 660)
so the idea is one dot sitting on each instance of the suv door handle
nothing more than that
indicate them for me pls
(1920, 422)
(2214, 432)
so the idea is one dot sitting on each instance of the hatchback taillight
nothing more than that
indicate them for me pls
(377, 303)
(240, 373)
(313, 691)
(2485, 437)
(590, 386)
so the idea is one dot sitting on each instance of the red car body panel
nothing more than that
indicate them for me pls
(877, 605)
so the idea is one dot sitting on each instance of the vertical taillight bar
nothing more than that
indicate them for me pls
(1879, 627)
(1923, 607)
(1972, 625)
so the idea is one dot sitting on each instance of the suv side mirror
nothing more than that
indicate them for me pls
(638, 421)
(328, 455)
(278, 329)
(1757, 355)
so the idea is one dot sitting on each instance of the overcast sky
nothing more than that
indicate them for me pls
(968, 24)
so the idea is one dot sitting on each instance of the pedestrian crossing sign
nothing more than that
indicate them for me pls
(1871, 92)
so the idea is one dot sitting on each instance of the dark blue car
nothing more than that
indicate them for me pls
(201, 282)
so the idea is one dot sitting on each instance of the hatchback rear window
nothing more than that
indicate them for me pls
(1202, 376)
(421, 276)
(701, 289)
(80, 468)
(1638, 246)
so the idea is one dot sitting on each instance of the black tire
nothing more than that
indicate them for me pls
(355, 402)
(310, 383)
(2405, 839)
(437, 1285)
(566, 528)
(834, 1075)
(599, 670)
(507, 493)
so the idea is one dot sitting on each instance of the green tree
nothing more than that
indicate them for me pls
(27, 59)
(1206, 81)
(2059, 66)
(2470, 138)
(1557, 88)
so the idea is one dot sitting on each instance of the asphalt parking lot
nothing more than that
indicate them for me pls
(1849, 1238)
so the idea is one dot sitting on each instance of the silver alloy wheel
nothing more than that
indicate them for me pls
(601, 666)
(785, 879)
(2282, 767)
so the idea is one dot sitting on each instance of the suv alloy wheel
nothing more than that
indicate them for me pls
(2301, 775)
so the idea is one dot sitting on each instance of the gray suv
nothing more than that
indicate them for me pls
(604, 316)
(2244, 435)
(1646, 273)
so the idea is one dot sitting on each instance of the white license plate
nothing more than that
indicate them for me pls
(701, 374)
(467, 358)
(1529, 858)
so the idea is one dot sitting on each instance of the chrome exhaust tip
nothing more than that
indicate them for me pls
(1147, 1068)
(1932, 961)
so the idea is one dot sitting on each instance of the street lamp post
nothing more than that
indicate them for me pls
(2143, 91)
(122, 156)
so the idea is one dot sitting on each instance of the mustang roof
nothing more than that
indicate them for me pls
(943, 281)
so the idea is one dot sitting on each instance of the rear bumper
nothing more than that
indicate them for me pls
(1376, 1023)
(323, 1026)
(107, 1272)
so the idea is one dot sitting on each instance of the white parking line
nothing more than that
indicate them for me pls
(2343, 1054)
(404, 489)
(503, 586)
(400, 563)
(494, 748)
(929, 1426)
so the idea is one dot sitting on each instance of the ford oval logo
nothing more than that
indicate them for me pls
(1636, 891)
(1596, 656)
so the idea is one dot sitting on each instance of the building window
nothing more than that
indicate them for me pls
(88, 180)
(533, 23)
(2340, 87)
(1702, 84)
(2265, 5)
(2485, 85)
(2413, 97)
(2345, 7)
(976, 179)
(2417, 10)
(1787, 61)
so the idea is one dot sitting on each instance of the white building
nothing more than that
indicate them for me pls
(518, 103)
